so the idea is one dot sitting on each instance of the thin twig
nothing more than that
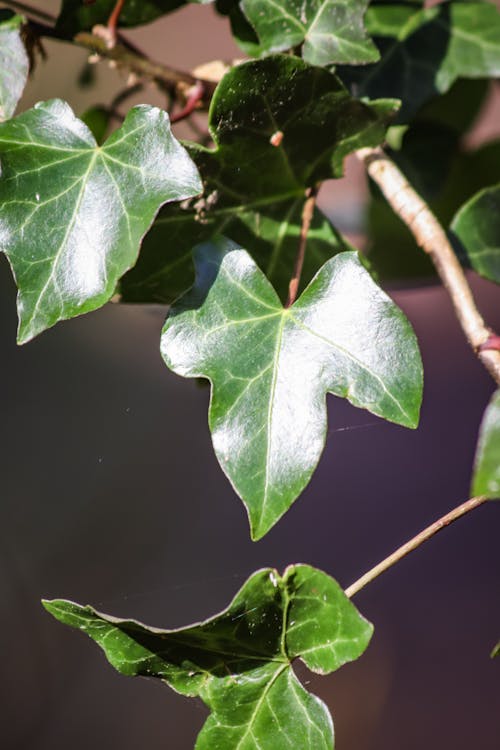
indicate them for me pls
(431, 237)
(307, 215)
(414, 543)
(123, 54)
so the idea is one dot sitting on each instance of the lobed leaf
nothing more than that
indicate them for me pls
(477, 227)
(73, 214)
(14, 64)
(253, 190)
(330, 31)
(424, 51)
(240, 661)
(486, 479)
(270, 367)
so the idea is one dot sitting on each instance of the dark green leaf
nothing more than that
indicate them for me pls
(243, 32)
(14, 64)
(331, 31)
(239, 662)
(496, 651)
(486, 479)
(477, 226)
(253, 186)
(271, 367)
(72, 214)
(97, 119)
(77, 16)
(424, 51)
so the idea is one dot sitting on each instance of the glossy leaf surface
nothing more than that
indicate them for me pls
(486, 480)
(477, 226)
(271, 367)
(424, 51)
(72, 214)
(14, 64)
(239, 662)
(330, 31)
(253, 189)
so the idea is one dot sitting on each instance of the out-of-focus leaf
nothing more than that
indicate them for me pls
(72, 214)
(280, 126)
(424, 51)
(77, 16)
(496, 651)
(240, 661)
(330, 31)
(97, 120)
(270, 367)
(14, 64)
(486, 479)
(477, 227)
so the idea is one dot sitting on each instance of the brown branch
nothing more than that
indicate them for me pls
(431, 237)
(307, 215)
(413, 544)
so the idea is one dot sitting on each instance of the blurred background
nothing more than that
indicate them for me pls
(111, 495)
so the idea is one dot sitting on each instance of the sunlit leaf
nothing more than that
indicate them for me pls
(240, 662)
(271, 367)
(280, 126)
(330, 31)
(14, 64)
(486, 479)
(477, 226)
(72, 214)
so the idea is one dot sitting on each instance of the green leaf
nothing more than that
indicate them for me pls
(97, 119)
(424, 51)
(496, 651)
(77, 16)
(331, 31)
(14, 64)
(239, 662)
(477, 227)
(486, 479)
(254, 186)
(271, 367)
(72, 214)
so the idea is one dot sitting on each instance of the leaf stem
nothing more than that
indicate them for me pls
(431, 237)
(114, 18)
(414, 543)
(307, 215)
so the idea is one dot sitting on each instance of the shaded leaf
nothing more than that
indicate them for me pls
(330, 31)
(239, 662)
(254, 186)
(78, 16)
(14, 64)
(496, 651)
(72, 214)
(271, 367)
(424, 51)
(486, 479)
(477, 227)
(97, 119)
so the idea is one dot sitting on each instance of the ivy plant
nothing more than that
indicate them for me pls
(267, 299)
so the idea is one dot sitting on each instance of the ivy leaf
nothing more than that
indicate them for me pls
(77, 16)
(72, 214)
(253, 185)
(424, 51)
(271, 367)
(496, 651)
(239, 662)
(331, 31)
(14, 64)
(477, 226)
(272, 232)
(486, 479)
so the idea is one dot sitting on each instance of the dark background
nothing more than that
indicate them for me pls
(111, 495)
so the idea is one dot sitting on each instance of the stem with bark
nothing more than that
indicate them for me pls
(431, 237)
(414, 543)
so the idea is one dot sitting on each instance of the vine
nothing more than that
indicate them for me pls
(268, 301)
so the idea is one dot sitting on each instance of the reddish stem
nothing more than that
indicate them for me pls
(307, 215)
(492, 343)
(114, 18)
(195, 96)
